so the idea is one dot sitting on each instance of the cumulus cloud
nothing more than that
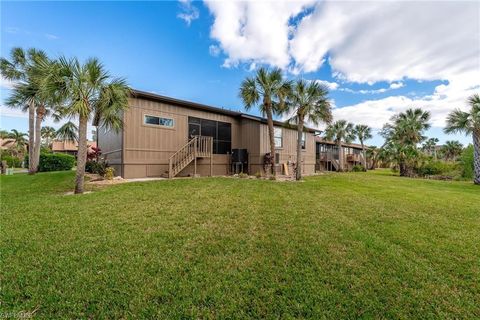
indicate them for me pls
(188, 12)
(255, 30)
(364, 42)
(445, 98)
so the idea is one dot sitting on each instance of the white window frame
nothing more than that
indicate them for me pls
(304, 140)
(158, 125)
(275, 130)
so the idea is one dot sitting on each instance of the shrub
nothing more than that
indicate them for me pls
(358, 168)
(56, 162)
(109, 172)
(466, 162)
(437, 167)
(242, 175)
(258, 174)
(12, 162)
(96, 167)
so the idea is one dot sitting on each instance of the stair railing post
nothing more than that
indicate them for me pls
(211, 157)
(170, 168)
(195, 156)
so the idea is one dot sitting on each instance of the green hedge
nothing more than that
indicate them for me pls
(12, 162)
(56, 162)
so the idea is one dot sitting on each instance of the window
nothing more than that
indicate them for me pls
(277, 136)
(304, 140)
(158, 121)
(220, 131)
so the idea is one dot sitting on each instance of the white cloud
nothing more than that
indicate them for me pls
(254, 30)
(393, 86)
(396, 85)
(5, 83)
(189, 12)
(214, 50)
(330, 85)
(51, 36)
(374, 41)
(375, 113)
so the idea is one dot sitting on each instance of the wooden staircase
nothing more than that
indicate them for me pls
(197, 147)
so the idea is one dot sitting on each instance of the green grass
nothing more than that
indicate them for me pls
(359, 245)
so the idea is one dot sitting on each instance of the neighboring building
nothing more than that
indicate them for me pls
(69, 147)
(166, 136)
(327, 155)
(6, 143)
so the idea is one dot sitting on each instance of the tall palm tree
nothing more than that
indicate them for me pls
(429, 146)
(363, 132)
(339, 131)
(17, 70)
(67, 132)
(405, 132)
(87, 91)
(469, 123)
(25, 68)
(48, 134)
(308, 101)
(452, 149)
(269, 90)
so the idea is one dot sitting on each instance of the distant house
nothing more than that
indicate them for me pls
(327, 155)
(6, 143)
(172, 137)
(69, 147)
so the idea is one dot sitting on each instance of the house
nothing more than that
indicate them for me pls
(172, 137)
(327, 155)
(69, 147)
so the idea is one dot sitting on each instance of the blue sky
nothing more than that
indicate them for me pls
(156, 49)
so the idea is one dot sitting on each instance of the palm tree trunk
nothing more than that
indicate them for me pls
(298, 174)
(476, 156)
(340, 157)
(81, 154)
(38, 137)
(271, 137)
(364, 157)
(31, 138)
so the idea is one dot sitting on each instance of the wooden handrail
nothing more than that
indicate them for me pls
(198, 146)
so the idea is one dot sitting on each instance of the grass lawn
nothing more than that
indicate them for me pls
(357, 245)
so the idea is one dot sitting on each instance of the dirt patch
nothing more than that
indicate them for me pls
(102, 181)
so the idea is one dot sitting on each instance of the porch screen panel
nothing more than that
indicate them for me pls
(221, 132)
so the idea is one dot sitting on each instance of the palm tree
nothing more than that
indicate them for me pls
(48, 134)
(307, 102)
(469, 123)
(268, 89)
(339, 131)
(363, 132)
(429, 147)
(452, 149)
(373, 154)
(25, 68)
(87, 91)
(17, 140)
(3, 134)
(67, 132)
(405, 132)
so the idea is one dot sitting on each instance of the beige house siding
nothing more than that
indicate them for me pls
(147, 148)
(288, 151)
(143, 150)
